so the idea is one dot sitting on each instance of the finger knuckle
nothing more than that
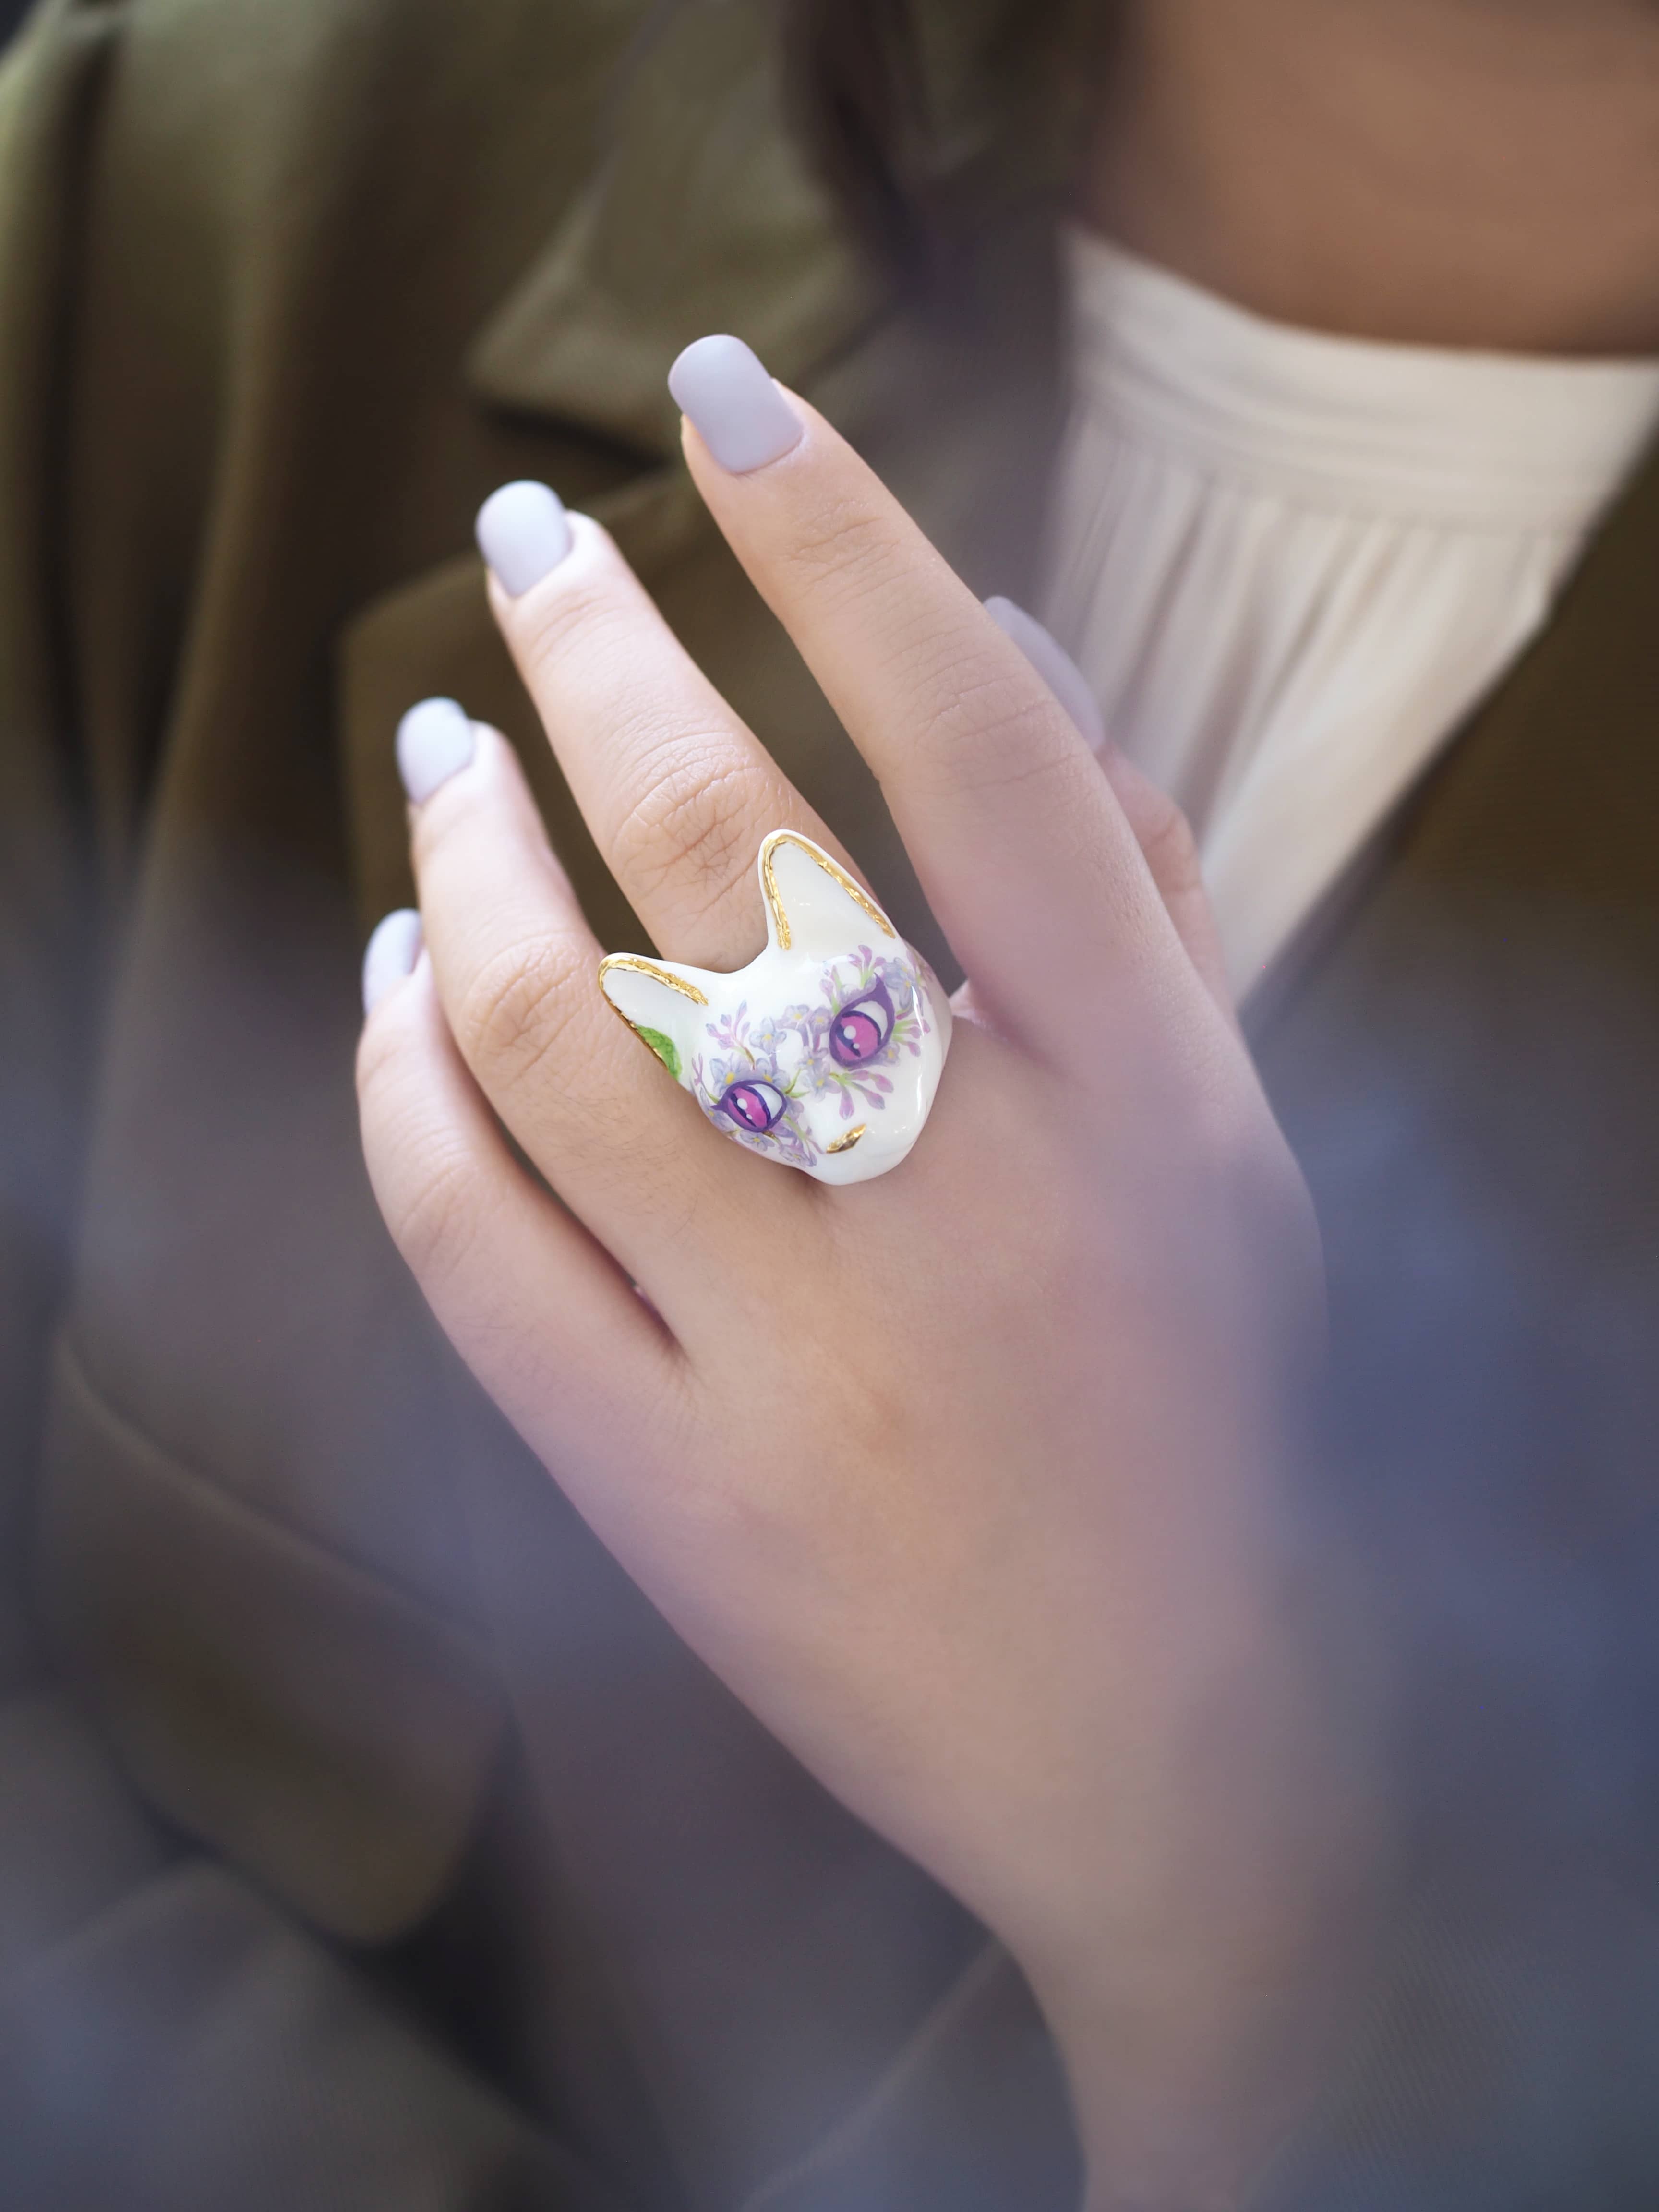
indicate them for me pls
(986, 726)
(842, 541)
(988, 735)
(583, 612)
(438, 1218)
(460, 809)
(517, 1009)
(694, 827)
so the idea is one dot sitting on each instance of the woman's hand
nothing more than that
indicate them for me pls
(972, 1481)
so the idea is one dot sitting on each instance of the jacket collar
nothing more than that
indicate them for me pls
(702, 215)
(705, 213)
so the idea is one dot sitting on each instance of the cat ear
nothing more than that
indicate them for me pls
(665, 1006)
(812, 904)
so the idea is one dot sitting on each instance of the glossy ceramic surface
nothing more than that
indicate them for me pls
(824, 1053)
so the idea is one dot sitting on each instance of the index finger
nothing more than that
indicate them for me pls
(1021, 848)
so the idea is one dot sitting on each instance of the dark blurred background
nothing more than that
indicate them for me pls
(12, 12)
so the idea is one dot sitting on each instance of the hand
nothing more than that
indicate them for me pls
(974, 1481)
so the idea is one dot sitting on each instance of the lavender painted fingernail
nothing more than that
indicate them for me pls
(523, 533)
(742, 416)
(433, 740)
(390, 954)
(1054, 665)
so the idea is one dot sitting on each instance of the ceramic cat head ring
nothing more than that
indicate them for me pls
(825, 1052)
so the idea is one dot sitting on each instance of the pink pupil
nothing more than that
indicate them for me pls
(749, 1107)
(858, 1036)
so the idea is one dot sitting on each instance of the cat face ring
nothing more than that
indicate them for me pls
(824, 1053)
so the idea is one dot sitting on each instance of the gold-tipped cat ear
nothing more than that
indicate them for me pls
(655, 1002)
(811, 899)
(638, 965)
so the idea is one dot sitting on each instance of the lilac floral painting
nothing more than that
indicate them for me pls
(824, 1053)
(758, 1074)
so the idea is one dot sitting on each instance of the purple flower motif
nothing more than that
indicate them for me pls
(759, 1071)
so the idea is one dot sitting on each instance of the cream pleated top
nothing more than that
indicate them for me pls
(1289, 563)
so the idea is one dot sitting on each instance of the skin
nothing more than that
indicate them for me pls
(1033, 1594)
(1465, 172)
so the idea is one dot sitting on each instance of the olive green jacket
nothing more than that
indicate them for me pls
(364, 1836)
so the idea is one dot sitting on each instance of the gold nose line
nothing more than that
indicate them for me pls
(846, 1144)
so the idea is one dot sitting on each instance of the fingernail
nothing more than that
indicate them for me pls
(743, 418)
(523, 533)
(390, 954)
(1054, 665)
(433, 740)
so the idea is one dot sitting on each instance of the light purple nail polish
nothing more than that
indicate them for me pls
(390, 954)
(1054, 665)
(433, 740)
(523, 533)
(744, 419)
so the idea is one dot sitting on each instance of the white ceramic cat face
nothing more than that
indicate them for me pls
(824, 1053)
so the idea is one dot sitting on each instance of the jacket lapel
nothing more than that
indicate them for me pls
(702, 216)
(1467, 1060)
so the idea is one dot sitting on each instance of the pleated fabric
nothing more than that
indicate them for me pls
(1289, 563)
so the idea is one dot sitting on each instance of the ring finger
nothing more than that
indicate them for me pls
(677, 792)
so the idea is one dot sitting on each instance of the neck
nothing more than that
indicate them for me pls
(1463, 173)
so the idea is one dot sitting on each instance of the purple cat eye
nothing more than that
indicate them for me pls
(862, 1027)
(753, 1105)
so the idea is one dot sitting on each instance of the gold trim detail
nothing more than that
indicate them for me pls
(648, 968)
(846, 1144)
(854, 891)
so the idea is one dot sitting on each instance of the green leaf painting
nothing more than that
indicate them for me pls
(665, 1049)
